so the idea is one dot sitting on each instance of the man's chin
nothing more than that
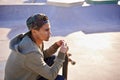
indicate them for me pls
(46, 39)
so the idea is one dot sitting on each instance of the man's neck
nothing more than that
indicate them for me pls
(36, 40)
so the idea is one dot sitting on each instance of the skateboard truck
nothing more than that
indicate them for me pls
(70, 60)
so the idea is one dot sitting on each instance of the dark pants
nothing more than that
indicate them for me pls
(49, 61)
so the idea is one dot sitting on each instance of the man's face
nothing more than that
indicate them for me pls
(44, 32)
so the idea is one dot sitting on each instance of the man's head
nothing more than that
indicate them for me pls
(39, 25)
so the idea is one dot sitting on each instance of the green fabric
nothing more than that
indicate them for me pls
(102, 1)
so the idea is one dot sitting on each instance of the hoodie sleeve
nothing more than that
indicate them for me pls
(51, 50)
(35, 62)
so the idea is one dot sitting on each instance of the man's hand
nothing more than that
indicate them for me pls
(60, 42)
(64, 48)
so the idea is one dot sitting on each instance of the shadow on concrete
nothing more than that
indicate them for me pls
(64, 20)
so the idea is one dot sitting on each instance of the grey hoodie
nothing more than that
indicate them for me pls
(26, 61)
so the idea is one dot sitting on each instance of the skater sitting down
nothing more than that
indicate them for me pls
(28, 59)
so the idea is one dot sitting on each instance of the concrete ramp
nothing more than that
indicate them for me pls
(64, 20)
(92, 33)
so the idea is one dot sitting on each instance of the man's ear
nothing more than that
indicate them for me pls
(33, 31)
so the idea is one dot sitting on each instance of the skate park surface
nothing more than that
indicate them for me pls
(91, 32)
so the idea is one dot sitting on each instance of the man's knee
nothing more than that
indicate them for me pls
(50, 60)
(59, 77)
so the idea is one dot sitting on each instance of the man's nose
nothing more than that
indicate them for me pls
(50, 32)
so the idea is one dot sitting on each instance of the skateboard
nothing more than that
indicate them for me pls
(65, 65)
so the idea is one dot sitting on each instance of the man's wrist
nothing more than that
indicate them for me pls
(61, 55)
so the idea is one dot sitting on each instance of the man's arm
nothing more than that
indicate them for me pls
(51, 50)
(48, 52)
(35, 63)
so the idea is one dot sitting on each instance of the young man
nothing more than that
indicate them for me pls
(28, 60)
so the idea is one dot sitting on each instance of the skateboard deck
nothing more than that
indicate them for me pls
(65, 66)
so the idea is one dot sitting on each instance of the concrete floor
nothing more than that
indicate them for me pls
(97, 56)
(93, 36)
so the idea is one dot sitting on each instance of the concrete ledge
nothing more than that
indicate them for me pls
(65, 3)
